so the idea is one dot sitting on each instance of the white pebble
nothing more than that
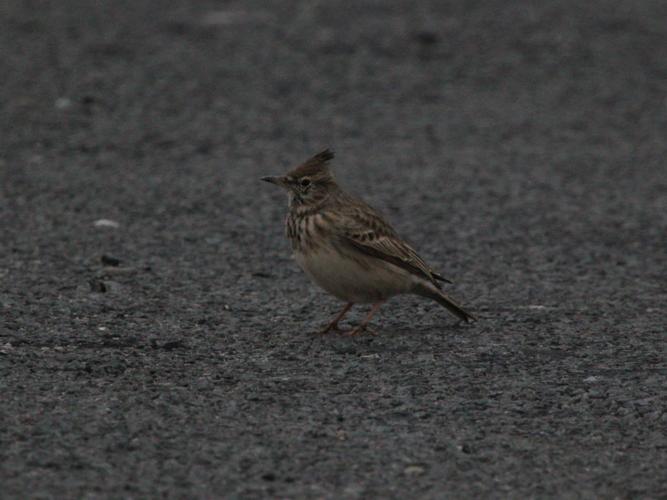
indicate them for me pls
(106, 223)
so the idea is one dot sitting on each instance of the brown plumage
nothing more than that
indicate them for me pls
(317, 165)
(347, 247)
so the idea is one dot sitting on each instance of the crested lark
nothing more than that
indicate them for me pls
(347, 248)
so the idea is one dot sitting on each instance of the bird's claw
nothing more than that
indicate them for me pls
(358, 331)
(333, 327)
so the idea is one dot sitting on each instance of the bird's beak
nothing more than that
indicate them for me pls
(279, 181)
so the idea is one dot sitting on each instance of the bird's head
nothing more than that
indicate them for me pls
(310, 182)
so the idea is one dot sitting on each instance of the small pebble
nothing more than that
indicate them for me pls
(98, 286)
(63, 103)
(110, 261)
(414, 470)
(6, 348)
(106, 223)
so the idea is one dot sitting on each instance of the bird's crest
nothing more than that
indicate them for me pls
(317, 165)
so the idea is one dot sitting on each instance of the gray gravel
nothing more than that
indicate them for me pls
(519, 145)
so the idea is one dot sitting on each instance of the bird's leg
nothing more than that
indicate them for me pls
(334, 324)
(362, 325)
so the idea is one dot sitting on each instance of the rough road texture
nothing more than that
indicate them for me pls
(521, 148)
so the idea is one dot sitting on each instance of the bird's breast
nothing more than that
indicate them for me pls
(307, 232)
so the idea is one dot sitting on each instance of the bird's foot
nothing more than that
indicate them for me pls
(331, 327)
(359, 330)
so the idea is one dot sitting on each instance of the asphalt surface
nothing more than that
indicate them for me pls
(520, 146)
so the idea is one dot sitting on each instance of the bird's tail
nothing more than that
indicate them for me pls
(444, 300)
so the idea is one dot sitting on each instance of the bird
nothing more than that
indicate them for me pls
(347, 248)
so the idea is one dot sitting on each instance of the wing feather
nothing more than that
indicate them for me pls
(364, 229)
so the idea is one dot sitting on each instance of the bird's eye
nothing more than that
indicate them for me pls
(305, 182)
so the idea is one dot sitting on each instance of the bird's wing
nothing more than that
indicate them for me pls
(364, 229)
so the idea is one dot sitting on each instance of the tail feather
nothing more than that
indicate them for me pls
(446, 301)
